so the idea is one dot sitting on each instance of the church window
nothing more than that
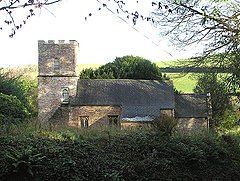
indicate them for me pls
(65, 95)
(84, 121)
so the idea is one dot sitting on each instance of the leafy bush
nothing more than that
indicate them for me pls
(122, 155)
(164, 124)
(230, 119)
(11, 109)
(30, 91)
(22, 163)
(126, 67)
(25, 90)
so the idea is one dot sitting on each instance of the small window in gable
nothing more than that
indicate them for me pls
(65, 95)
(83, 121)
(113, 120)
(56, 64)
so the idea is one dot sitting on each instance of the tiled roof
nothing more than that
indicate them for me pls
(191, 105)
(137, 97)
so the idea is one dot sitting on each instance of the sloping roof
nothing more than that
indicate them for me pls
(191, 105)
(137, 97)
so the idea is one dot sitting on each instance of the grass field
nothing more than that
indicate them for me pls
(169, 63)
(184, 83)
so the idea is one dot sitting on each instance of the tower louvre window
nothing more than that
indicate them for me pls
(56, 64)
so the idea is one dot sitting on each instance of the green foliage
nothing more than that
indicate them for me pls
(209, 83)
(11, 85)
(127, 67)
(30, 92)
(115, 175)
(60, 136)
(230, 119)
(164, 125)
(201, 14)
(22, 163)
(25, 90)
(87, 73)
(118, 155)
(11, 109)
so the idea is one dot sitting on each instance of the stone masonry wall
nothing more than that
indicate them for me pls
(132, 124)
(65, 53)
(98, 115)
(50, 80)
(49, 94)
(60, 116)
(186, 124)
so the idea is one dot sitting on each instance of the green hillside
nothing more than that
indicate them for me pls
(182, 82)
(168, 63)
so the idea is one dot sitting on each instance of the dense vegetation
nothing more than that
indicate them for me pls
(11, 109)
(126, 67)
(18, 97)
(27, 153)
(210, 83)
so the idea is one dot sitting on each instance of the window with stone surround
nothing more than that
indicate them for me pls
(114, 120)
(65, 95)
(84, 121)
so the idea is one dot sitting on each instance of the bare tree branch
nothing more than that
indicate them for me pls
(29, 6)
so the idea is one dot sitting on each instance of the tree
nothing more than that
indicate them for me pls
(12, 19)
(211, 83)
(126, 67)
(214, 25)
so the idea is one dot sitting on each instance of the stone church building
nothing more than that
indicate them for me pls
(64, 98)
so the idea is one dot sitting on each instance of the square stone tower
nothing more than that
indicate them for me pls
(57, 80)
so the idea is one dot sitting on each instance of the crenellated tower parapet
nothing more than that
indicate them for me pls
(57, 58)
(73, 42)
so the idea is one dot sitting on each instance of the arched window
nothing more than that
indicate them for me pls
(65, 95)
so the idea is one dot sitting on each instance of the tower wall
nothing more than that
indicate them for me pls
(57, 70)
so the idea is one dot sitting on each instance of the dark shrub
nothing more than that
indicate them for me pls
(164, 124)
(11, 109)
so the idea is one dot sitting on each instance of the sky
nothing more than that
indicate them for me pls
(101, 38)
